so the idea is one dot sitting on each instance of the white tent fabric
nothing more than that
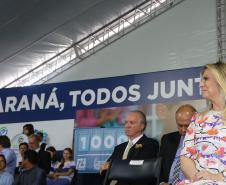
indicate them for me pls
(184, 36)
(31, 31)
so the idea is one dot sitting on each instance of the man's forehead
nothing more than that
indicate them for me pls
(183, 123)
(23, 146)
(184, 117)
(184, 113)
(31, 140)
(132, 114)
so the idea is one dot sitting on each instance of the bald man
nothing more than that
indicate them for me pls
(171, 145)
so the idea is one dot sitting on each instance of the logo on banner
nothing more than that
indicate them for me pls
(19, 138)
(96, 163)
(3, 131)
(81, 163)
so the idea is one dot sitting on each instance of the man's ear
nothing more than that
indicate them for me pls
(142, 128)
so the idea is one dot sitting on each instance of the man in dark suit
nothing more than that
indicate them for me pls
(139, 146)
(44, 159)
(31, 173)
(171, 144)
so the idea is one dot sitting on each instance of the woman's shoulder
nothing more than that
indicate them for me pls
(195, 117)
(69, 163)
(198, 118)
(55, 164)
(202, 115)
(207, 115)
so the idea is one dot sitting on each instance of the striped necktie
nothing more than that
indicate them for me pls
(176, 172)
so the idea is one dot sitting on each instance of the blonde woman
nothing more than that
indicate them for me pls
(203, 157)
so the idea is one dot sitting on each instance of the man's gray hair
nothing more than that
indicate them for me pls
(142, 117)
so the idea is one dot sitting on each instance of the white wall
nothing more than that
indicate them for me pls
(60, 132)
(184, 36)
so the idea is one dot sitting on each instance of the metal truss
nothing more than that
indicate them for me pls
(101, 38)
(221, 30)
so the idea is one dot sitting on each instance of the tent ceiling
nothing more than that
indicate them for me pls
(33, 30)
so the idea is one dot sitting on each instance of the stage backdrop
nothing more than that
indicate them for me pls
(56, 108)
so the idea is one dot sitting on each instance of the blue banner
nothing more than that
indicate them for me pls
(61, 100)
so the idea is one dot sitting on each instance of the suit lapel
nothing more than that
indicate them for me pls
(135, 151)
(120, 151)
(175, 145)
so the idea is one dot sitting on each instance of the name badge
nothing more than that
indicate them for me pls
(136, 162)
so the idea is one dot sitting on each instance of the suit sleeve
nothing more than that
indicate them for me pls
(17, 180)
(41, 178)
(48, 162)
(151, 149)
(111, 157)
(163, 146)
(45, 161)
(163, 149)
(118, 152)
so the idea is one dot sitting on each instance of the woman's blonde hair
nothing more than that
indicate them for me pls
(219, 72)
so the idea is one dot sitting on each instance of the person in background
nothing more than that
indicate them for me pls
(23, 147)
(5, 177)
(28, 130)
(44, 159)
(9, 154)
(203, 154)
(54, 162)
(65, 171)
(40, 140)
(171, 145)
(139, 146)
(31, 173)
(106, 117)
(111, 117)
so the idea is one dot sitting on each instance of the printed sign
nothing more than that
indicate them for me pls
(60, 100)
(94, 145)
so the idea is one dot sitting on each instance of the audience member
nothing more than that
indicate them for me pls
(138, 146)
(9, 154)
(28, 130)
(31, 174)
(203, 155)
(171, 145)
(106, 117)
(40, 140)
(23, 147)
(44, 159)
(5, 177)
(54, 162)
(65, 170)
